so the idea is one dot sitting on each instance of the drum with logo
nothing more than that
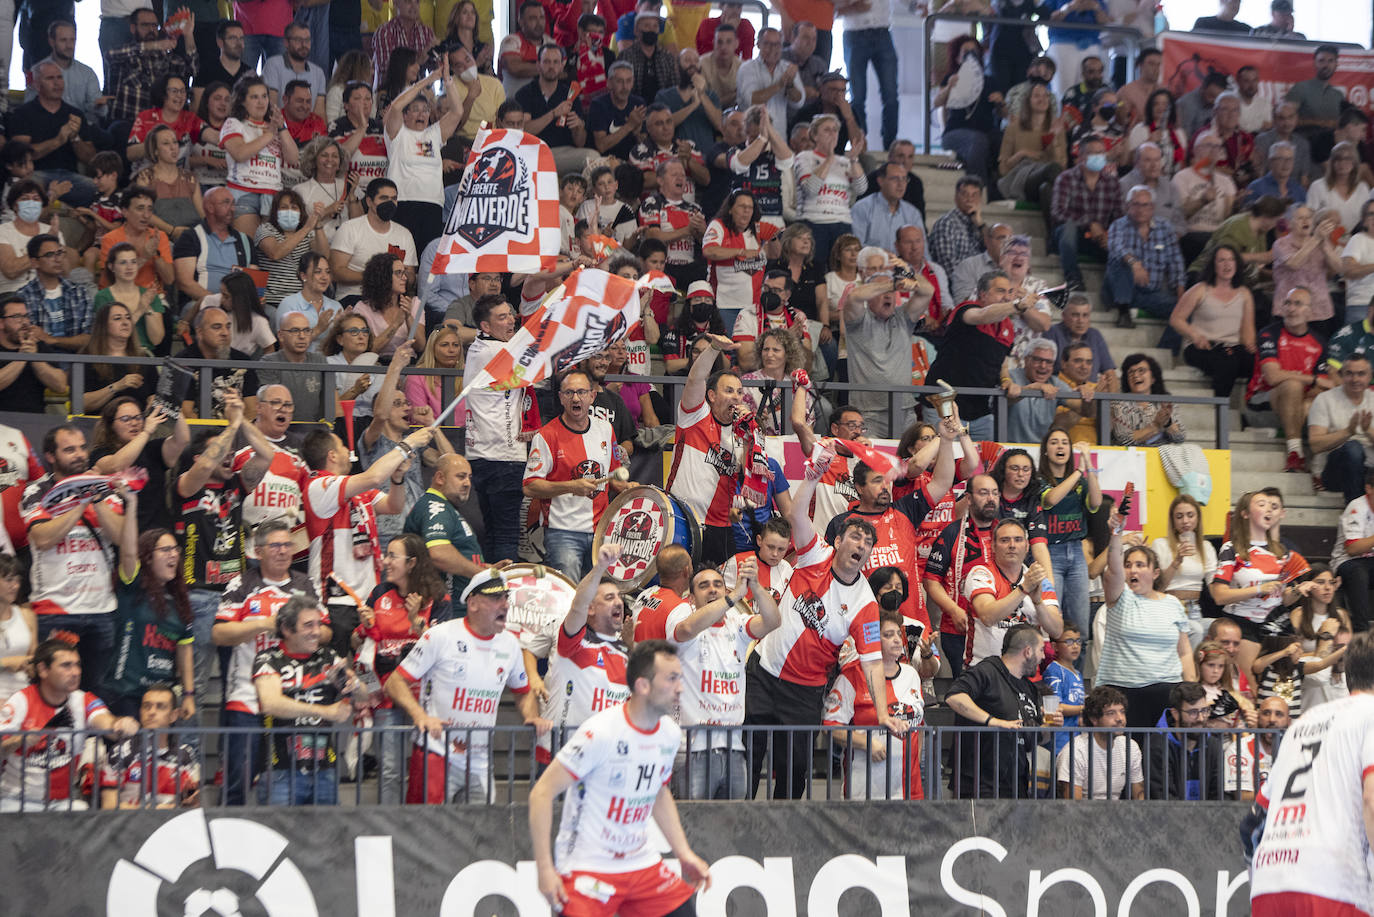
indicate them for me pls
(643, 521)
(539, 600)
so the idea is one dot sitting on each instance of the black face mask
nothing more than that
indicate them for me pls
(386, 211)
(684, 79)
(1107, 111)
(702, 310)
(649, 39)
(890, 601)
(770, 300)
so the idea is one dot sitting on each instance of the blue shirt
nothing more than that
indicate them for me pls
(1030, 417)
(1268, 184)
(743, 531)
(1084, 38)
(65, 315)
(1158, 251)
(875, 223)
(297, 302)
(1068, 684)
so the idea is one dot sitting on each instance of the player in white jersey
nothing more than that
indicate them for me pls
(462, 666)
(617, 769)
(1314, 858)
(587, 668)
(713, 633)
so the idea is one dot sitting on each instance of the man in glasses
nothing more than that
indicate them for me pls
(1185, 765)
(61, 309)
(308, 397)
(22, 383)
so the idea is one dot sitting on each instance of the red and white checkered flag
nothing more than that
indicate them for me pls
(506, 215)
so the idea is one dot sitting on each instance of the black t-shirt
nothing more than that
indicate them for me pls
(610, 407)
(980, 116)
(1215, 24)
(100, 375)
(153, 511)
(997, 763)
(210, 528)
(804, 292)
(1026, 510)
(34, 121)
(972, 358)
(244, 380)
(212, 71)
(808, 112)
(303, 679)
(763, 180)
(603, 115)
(531, 98)
(25, 393)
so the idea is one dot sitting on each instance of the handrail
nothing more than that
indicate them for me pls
(670, 385)
(1132, 36)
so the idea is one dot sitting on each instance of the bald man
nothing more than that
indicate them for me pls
(452, 544)
(651, 609)
(212, 334)
(204, 255)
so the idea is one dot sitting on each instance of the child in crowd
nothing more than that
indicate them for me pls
(104, 214)
(1281, 668)
(1216, 672)
(1062, 678)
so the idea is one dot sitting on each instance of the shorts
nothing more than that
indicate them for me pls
(1252, 631)
(252, 203)
(430, 781)
(648, 892)
(1297, 904)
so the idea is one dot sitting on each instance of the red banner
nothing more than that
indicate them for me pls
(1189, 57)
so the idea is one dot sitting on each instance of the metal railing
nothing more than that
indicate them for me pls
(67, 769)
(671, 385)
(1132, 38)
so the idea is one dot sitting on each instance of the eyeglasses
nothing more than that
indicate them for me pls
(353, 331)
(168, 549)
(128, 418)
(1196, 712)
(277, 546)
(279, 405)
(856, 425)
(295, 331)
(55, 253)
(1039, 359)
(1072, 641)
(576, 392)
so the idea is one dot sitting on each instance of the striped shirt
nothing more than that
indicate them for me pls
(1141, 645)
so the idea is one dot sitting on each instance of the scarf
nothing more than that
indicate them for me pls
(754, 471)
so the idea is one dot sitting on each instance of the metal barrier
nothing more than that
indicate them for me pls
(497, 766)
(1132, 37)
(670, 385)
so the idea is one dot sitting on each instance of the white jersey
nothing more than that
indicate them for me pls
(620, 770)
(773, 578)
(278, 494)
(249, 596)
(586, 675)
(343, 536)
(1356, 523)
(851, 703)
(461, 678)
(74, 576)
(1314, 839)
(986, 640)
(493, 417)
(712, 676)
(37, 774)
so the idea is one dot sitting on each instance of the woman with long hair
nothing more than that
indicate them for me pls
(1317, 606)
(828, 181)
(461, 30)
(322, 166)
(734, 250)
(18, 629)
(965, 100)
(178, 205)
(1341, 189)
(844, 271)
(351, 343)
(1033, 149)
(146, 304)
(638, 396)
(207, 158)
(112, 335)
(314, 278)
(1216, 319)
(169, 96)
(1144, 423)
(291, 230)
(361, 137)
(391, 315)
(1069, 492)
(250, 326)
(1251, 583)
(797, 256)
(779, 357)
(1159, 125)
(1308, 257)
(1216, 672)
(443, 350)
(1357, 267)
(151, 598)
(398, 612)
(124, 438)
(353, 66)
(402, 70)
(258, 145)
(1187, 561)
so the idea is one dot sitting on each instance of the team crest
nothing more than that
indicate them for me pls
(494, 198)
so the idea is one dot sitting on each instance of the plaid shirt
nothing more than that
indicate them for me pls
(133, 71)
(954, 237)
(395, 34)
(1074, 201)
(1158, 251)
(63, 317)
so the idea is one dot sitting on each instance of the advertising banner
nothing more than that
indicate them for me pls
(883, 859)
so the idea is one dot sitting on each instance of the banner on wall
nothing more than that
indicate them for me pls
(1188, 58)
(837, 859)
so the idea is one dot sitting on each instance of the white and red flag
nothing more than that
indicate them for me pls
(506, 215)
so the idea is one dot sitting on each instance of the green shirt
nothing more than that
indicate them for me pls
(159, 305)
(1238, 233)
(145, 644)
(437, 521)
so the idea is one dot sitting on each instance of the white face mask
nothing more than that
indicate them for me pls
(469, 75)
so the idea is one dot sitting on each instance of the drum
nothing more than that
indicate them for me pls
(643, 521)
(540, 597)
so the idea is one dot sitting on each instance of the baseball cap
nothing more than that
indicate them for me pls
(700, 288)
(487, 582)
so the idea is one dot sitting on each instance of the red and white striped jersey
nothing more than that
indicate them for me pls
(620, 769)
(560, 453)
(850, 703)
(343, 536)
(896, 544)
(1314, 839)
(18, 466)
(713, 676)
(278, 494)
(461, 678)
(586, 675)
(818, 613)
(986, 640)
(47, 774)
(249, 596)
(651, 611)
(835, 492)
(774, 579)
(1263, 567)
(704, 467)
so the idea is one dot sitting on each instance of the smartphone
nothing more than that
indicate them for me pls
(1124, 507)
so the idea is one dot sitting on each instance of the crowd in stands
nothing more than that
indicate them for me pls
(272, 190)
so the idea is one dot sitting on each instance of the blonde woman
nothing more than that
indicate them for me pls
(1187, 561)
(443, 350)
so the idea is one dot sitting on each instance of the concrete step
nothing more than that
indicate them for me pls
(1295, 487)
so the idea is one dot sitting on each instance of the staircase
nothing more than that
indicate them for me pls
(1257, 453)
